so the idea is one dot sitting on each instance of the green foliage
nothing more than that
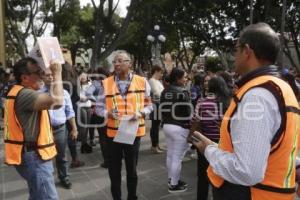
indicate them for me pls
(189, 26)
(213, 64)
(24, 18)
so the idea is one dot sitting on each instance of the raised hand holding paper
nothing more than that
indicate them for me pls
(47, 49)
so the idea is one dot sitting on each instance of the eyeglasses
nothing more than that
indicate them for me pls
(119, 61)
(38, 72)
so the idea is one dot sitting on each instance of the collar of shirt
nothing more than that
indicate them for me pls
(58, 116)
(123, 85)
(44, 89)
(117, 79)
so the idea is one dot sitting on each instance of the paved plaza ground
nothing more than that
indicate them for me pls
(91, 182)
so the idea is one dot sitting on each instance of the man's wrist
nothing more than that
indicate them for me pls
(143, 114)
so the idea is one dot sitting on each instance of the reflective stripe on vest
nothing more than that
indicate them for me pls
(133, 102)
(14, 135)
(280, 172)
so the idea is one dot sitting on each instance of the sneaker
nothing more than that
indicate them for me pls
(104, 165)
(86, 148)
(162, 148)
(180, 182)
(177, 188)
(77, 164)
(66, 184)
(92, 143)
(156, 150)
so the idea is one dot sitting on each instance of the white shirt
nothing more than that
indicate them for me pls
(156, 88)
(84, 101)
(251, 134)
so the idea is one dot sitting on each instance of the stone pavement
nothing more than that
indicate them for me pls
(91, 182)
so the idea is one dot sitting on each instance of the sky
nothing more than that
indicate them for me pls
(121, 7)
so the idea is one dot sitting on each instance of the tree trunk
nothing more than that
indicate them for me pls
(97, 54)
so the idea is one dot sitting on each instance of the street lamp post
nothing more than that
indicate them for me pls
(156, 38)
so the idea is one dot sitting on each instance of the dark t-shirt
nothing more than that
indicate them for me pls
(28, 118)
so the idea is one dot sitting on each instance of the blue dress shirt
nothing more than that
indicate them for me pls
(64, 113)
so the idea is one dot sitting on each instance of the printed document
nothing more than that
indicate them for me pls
(127, 130)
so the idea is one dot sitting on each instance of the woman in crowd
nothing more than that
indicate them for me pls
(207, 77)
(176, 111)
(207, 119)
(98, 121)
(156, 90)
(69, 77)
(197, 88)
(84, 105)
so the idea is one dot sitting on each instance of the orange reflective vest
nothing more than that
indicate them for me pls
(134, 101)
(279, 179)
(14, 135)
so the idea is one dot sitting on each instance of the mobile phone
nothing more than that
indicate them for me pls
(195, 139)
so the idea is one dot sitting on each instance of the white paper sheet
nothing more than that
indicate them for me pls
(47, 49)
(127, 130)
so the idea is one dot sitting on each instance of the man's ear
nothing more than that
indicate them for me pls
(24, 77)
(248, 51)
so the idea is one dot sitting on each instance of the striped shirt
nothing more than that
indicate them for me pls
(253, 127)
(209, 115)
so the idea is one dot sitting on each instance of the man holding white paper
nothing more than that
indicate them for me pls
(124, 95)
(28, 139)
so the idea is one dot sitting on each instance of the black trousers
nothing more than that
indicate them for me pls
(154, 131)
(99, 122)
(203, 183)
(229, 191)
(115, 156)
(93, 121)
(103, 143)
(72, 144)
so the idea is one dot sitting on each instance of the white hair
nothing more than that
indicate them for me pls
(118, 52)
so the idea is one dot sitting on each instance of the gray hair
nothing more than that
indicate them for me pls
(118, 52)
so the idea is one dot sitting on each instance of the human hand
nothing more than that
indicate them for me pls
(113, 114)
(189, 137)
(55, 67)
(74, 134)
(200, 141)
(136, 116)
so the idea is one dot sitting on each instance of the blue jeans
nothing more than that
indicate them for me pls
(38, 175)
(61, 138)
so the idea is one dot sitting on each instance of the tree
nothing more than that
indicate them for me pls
(109, 30)
(64, 16)
(213, 64)
(25, 18)
(79, 36)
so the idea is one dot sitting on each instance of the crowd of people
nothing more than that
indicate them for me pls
(244, 125)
